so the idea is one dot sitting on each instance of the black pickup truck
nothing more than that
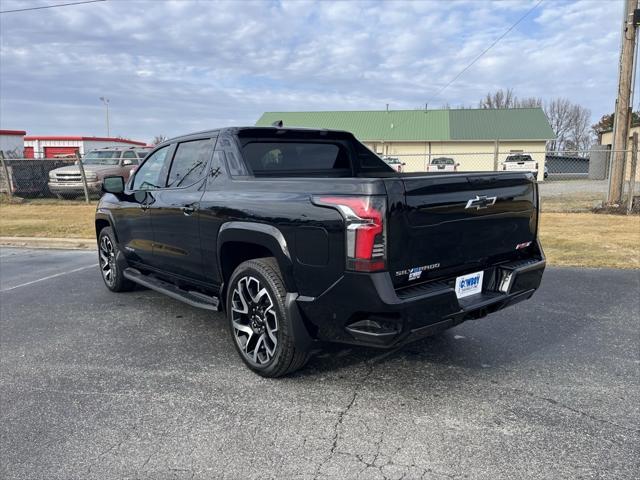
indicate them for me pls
(302, 236)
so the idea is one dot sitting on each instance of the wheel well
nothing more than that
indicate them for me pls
(100, 224)
(233, 254)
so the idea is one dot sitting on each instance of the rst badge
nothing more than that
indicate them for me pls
(414, 273)
(469, 284)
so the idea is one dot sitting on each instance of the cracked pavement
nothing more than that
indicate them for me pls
(95, 385)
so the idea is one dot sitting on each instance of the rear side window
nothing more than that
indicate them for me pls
(519, 158)
(189, 162)
(131, 156)
(295, 158)
(369, 161)
(442, 161)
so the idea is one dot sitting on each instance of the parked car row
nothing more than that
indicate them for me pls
(517, 162)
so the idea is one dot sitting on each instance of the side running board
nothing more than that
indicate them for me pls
(195, 299)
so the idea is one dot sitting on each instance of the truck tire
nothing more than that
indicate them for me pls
(258, 321)
(109, 268)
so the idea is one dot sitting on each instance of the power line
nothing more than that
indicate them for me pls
(488, 48)
(50, 6)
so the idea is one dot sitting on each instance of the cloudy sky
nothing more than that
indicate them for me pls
(179, 66)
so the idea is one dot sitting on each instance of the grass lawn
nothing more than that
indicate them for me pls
(569, 239)
(47, 218)
(575, 202)
(591, 240)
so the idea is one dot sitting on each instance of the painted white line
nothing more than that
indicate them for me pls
(93, 265)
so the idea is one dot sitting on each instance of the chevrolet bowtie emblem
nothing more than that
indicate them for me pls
(480, 202)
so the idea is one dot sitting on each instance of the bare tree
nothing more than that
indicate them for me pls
(158, 139)
(580, 135)
(569, 121)
(499, 99)
(530, 102)
(461, 106)
(559, 113)
(506, 99)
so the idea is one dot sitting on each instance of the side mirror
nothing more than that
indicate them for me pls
(113, 184)
(127, 161)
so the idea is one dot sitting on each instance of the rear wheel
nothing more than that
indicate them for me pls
(259, 324)
(111, 272)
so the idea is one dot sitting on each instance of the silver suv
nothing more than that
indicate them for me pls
(66, 182)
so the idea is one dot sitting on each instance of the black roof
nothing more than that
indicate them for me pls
(236, 130)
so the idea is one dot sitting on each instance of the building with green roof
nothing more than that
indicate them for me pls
(470, 136)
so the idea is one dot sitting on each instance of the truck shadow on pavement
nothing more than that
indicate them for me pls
(559, 320)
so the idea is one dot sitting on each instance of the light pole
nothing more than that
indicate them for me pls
(105, 100)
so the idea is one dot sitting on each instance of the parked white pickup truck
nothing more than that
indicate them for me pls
(442, 164)
(520, 162)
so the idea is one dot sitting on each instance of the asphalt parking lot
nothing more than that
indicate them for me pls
(136, 385)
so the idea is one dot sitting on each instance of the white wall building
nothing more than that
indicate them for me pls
(39, 146)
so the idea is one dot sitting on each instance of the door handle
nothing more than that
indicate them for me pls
(189, 209)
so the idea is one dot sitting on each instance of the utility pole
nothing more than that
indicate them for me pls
(622, 114)
(106, 102)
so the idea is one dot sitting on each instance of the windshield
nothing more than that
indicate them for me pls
(102, 158)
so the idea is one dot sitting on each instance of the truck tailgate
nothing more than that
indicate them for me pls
(446, 224)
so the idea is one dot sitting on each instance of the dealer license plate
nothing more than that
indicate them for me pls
(469, 284)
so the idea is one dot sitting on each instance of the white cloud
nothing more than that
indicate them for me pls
(169, 67)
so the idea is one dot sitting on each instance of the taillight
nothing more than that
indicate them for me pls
(365, 230)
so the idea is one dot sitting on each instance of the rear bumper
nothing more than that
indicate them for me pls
(365, 309)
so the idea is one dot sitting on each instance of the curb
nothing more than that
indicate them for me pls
(57, 243)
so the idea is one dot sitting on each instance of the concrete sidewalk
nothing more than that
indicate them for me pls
(40, 242)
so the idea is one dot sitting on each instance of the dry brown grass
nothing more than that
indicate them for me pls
(574, 202)
(47, 218)
(590, 240)
(569, 239)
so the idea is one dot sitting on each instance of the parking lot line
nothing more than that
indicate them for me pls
(48, 277)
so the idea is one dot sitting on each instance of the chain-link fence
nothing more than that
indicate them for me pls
(64, 178)
(568, 180)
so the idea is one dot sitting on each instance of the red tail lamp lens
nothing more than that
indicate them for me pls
(365, 229)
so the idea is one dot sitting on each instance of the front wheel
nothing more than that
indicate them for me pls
(111, 272)
(258, 320)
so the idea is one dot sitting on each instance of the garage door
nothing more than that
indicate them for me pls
(28, 152)
(58, 152)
